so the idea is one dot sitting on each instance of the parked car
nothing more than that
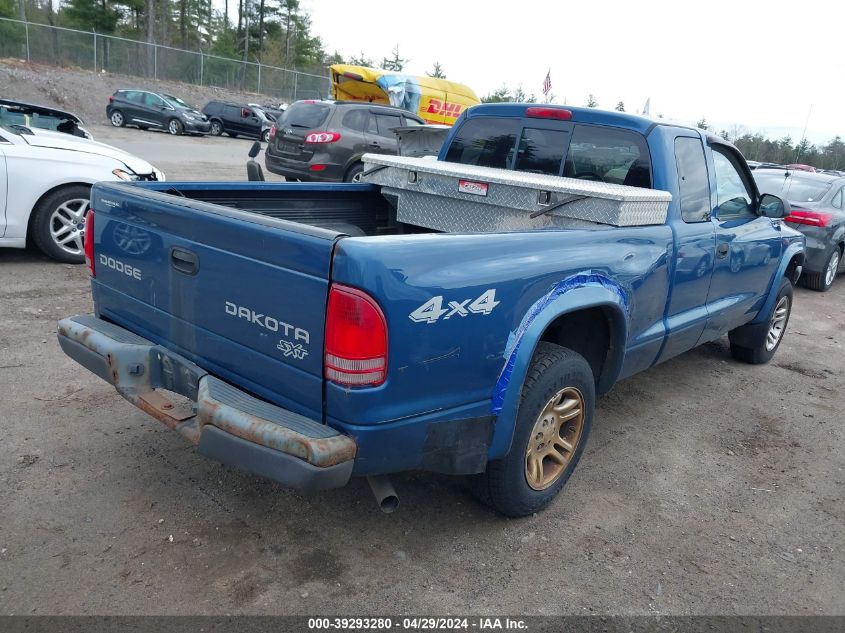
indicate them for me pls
(272, 111)
(466, 332)
(45, 183)
(237, 120)
(818, 211)
(29, 115)
(145, 110)
(324, 140)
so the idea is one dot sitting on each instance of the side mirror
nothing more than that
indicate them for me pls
(255, 149)
(772, 206)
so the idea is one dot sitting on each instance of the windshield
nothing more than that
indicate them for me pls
(177, 103)
(793, 187)
(35, 118)
(306, 115)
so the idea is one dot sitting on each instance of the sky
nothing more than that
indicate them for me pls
(763, 66)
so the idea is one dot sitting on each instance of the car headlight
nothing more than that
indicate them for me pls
(124, 175)
(190, 117)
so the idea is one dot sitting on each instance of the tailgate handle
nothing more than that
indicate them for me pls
(184, 261)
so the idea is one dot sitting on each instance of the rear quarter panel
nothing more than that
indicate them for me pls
(456, 362)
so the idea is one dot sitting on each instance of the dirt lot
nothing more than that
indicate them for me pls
(708, 487)
(87, 93)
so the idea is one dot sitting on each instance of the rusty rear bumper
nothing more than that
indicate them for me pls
(224, 423)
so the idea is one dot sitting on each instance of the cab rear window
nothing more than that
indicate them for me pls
(590, 152)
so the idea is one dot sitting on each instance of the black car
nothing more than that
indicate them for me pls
(324, 140)
(237, 120)
(818, 211)
(145, 110)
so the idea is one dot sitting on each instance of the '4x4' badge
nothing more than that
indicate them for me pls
(292, 349)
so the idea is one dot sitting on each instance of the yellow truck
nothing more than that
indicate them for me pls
(434, 100)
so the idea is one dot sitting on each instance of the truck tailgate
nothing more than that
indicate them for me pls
(240, 294)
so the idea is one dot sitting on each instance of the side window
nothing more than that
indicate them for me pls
(608, 155)
(837, 199)
(541, 151)
(733, 195)
(152, 100)
(355, 120)
(484, 142)
(371, 124)
(134, 96)
(232, 113)
(693, 182)
(386, 123)
(408, 121)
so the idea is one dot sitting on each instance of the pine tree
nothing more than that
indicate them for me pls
(437, 71)
(591, 102)
(620, 106)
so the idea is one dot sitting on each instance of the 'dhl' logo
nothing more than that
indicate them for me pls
(436, 106)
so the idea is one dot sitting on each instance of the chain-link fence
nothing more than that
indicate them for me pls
(92, 51)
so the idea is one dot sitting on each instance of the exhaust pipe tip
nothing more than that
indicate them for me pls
(385, 495)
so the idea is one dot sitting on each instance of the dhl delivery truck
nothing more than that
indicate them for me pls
(434, 100)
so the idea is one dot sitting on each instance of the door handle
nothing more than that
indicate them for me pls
(722, 251)
(184, 261)
(374, 144)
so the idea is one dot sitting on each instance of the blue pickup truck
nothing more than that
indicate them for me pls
(303, 333)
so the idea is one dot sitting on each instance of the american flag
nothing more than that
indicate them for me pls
(547, 83)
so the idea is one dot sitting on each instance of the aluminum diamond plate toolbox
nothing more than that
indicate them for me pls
(457, 198)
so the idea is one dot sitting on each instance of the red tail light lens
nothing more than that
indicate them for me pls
(88, 245)
(356, 339)
(548, 113)
(322, 137)
(810, 218)
(111, 99)
(272, 131)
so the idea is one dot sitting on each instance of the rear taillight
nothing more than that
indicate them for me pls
(272, 131)
(111, 99)
(810, 218)
(322, 137)
(89, 243)
(356, 339)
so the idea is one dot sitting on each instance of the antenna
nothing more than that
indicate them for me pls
(804, 133)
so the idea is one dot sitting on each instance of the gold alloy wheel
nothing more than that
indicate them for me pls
(554, 438)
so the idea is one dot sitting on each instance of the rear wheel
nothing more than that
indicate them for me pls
(757, 344)
(175, 127)
(117, 119)
(58, 226)
(553, 422)
(353, 174)
(265, 136)
(216, 128)
(824, 280)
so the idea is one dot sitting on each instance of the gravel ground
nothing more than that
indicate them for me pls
(708, 487)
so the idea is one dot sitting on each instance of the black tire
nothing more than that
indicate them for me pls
(822, 282)
(43, 221)
(265, 136)
(216, 128)
(504, 486)
(175, 127)
(750, 343)
(353, 174)
(117, 119)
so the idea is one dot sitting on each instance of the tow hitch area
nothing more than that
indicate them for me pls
(225, 423)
